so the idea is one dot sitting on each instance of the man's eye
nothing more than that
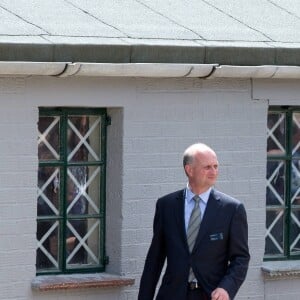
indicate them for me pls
(207, 168)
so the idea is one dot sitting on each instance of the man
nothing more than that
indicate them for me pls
(202, 233)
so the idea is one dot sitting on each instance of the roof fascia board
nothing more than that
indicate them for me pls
(208, 53)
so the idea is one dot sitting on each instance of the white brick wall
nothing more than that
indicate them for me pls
(287, 289)
(153, 121)
(223, 117)
(17, 191)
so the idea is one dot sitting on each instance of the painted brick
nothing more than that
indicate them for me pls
(153, 121)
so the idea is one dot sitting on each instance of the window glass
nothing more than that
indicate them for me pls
(275, 231)
(83, 142)
(296, 134)
(283, 184)
(48, 139)
(276, 134)
(275, 182)
(295, 231)
(70, 216)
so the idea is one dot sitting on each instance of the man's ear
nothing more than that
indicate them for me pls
(188, 170)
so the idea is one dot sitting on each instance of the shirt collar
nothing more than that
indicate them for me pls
(204, 196)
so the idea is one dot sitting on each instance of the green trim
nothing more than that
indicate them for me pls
(64, 113)
(287, 158)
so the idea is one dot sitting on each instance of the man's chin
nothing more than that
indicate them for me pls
(212, 182)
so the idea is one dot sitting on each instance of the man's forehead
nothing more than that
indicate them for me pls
(206, 155)
(205, 163)
(209, 162)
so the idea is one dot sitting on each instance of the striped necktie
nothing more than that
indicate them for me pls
(193, 228)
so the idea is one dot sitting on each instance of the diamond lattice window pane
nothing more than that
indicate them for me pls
(48, 245)
(295, 181)
(83, 242)
(83, 190)
(84, 138)
(295, 231)
(48, 191)
(48, 138)
(274, 232)
(296, 134)
(276, 134)
(275, 182)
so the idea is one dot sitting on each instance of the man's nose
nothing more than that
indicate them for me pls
(213, 170)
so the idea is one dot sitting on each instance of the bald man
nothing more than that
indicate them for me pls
(201, 233)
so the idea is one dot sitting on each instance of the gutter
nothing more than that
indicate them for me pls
(150, 70)
(154, 70)
(284, 72)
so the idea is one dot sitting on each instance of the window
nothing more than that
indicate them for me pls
(283, 184)
(71, 190)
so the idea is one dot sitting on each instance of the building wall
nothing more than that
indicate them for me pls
(153, 121)
(280, 92)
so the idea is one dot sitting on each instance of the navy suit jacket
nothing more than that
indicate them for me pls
(219, 258)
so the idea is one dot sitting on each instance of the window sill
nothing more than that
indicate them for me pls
(79, 281)
(277, 270)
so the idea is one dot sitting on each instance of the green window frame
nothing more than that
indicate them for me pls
(283, 184)
(71, 190)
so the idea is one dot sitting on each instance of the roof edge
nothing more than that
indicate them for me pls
(225, 54)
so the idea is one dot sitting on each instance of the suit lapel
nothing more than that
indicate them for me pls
(210, 216)
(179, 214)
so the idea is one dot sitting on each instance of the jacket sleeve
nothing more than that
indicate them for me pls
(238, 253)
(155, 258)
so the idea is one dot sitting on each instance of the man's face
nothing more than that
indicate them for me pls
(203, 172)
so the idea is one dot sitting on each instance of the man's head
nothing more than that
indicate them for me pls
(201, 167)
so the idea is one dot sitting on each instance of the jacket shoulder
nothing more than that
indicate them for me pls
(171, 196)
(226, 199)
